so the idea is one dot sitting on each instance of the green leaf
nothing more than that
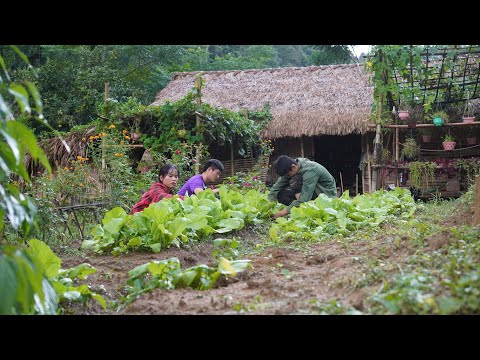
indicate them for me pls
(5, 112)
(21, 54)
(116, 212)
(22, 97)
(101, 300)
(27, 140)
(86, 244)
(136, 241)
(139, 270)
(156, 247)
(49, 305)
(8, 284)
(14, 146)
(72, 295)
(232, 267)
(36, 96)
(4, 68)
(80, 271)
(44, 258)
(188, 276)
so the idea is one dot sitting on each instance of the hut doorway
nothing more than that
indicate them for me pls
(341, 155)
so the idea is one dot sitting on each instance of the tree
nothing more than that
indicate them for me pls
(331, 54)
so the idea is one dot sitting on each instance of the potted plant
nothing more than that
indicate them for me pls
(426, 133)
(410, 148)
(403, 114)
(471, 137)
(448, 142)
(439, 117)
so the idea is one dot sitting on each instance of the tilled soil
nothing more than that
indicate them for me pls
(291, 279)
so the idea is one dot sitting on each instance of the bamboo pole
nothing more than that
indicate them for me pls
(406, 126)
(198, 85)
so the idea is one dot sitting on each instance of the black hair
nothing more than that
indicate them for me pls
(214, 164)
(284, 164)
(165, 169)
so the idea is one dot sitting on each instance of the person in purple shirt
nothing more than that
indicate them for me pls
(211, 172)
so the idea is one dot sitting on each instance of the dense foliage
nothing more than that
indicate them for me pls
(71, 78)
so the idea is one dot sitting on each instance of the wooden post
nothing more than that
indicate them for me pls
(397, 144)
(104, 158)
(231, 158)
(369, 168)
(356, 184)
(341, 181)
(369, 177)
(105, 101)
(302, 152)
(198, 85)
(377, 146)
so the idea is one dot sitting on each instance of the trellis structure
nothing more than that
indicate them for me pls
(424, 79)
(440, 75)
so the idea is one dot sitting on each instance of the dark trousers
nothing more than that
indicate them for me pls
(287, 195)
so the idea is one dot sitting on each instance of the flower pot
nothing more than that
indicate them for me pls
(452, 185)
(403, 115)
(426, 138)
(471, 140)
(468, 119)
(134, 136)
(449, 145)
(437, 121)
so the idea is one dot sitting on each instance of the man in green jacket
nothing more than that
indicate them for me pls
(316, 180)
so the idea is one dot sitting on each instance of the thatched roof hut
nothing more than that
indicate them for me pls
(305, 101)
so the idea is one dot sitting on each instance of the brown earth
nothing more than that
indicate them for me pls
(288, 280)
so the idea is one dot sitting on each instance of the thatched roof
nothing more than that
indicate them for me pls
(314, 100)
(57, 154)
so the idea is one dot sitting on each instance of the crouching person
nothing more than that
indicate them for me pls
(316, 180)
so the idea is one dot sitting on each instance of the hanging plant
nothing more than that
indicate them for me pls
(403, 114)
(421, 171)
(439, 117)
(468, 116)
(410, 148)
